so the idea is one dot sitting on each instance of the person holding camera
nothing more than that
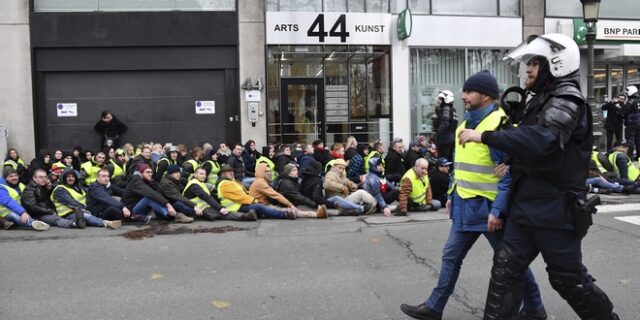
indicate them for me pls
(613, 122)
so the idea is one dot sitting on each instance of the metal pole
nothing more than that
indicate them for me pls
(591, 36)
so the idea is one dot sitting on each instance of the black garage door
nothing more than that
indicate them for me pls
(157, 106)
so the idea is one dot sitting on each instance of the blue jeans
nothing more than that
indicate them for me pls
(454, 251)
(343, 203)
(264, 211)
(90, 219)
(181, 207)
(55, 220)
(15, 218)
(143, 205)
(601, 182)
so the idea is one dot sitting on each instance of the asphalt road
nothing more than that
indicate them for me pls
(340, 268)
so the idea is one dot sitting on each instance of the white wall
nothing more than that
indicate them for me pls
(16, 103)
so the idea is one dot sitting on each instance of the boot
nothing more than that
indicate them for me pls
(182, 218)
(115, 224)
(421, 312)
(80, 223)
(6, 224)
(249, 216)
(321, 213)
(629, 189)
(367, 208)
(540, 314)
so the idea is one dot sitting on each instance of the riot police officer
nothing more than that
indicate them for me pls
(631, 114)
(550, 152)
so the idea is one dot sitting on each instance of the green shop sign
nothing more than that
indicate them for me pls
(405, 24)
(607, 31)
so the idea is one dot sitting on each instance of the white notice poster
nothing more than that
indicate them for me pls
(205, 107)
(67, 109)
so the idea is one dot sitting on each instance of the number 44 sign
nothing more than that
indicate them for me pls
(328, 28)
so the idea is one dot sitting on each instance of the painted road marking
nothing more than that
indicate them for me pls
(630, 219)
(619, 207)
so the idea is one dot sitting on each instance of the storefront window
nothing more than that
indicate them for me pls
(465, 7)
(611, 9)
(433, 70)
(419, 6)
(132, 5)
(329, 5)
(335, 5)
(632, 76)
(509, 8)
(301, 5)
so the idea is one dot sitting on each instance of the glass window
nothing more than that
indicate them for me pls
(301, 5)
(133, 5)
(378, 6)
(487, 59)
(465, 7)
(356, 5)
(272, 5)
(419, 6)
(632, 76)
(335, 5)
(65, 5)
(509, 8)
(612, 9)
(398, 5)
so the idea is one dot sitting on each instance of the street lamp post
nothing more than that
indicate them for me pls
(590, 10)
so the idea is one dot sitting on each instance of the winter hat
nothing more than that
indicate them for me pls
(173, 168)
(287, 168)
(227, 167)
(483, 82)
(8, 171)
(142, 167)
(442, 161)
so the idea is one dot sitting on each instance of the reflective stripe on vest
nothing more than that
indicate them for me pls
(632, 170)
(91, 169)
(474, 169)
(168, 161)
(594, 157)
(419, 187)
(199, 202)
(194, 165)
(270, 164)
(11, 163)
(118, 171)
(62, 209)
(230, 205)
(212, 178)
(4, 211)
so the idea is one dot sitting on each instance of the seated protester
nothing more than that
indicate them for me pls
(283, 158)
(171, 157)
(305, 157)
(268, 152)
(320, 153)
(77, 157)
(139, 196)
(376, 151)
(415, 191)
(10, 209)
(182, 154)
(70, 201)
(439, 180)
(355, 163)
(65, 163)
(337, 151)
(157, 152)
(143, 158)
(432, 156)
(13, 161)
(296, 151)
(235, 161)
(311, 186)
(205, 205)
(36, 199)
(376, 185)
(265, 194)
(626, 172)
(343, 193)
(394, 162)
(212, 167)
(43, 161)
(236, 198)
(289, 187)
(412, 155)
(223, 153)
(190, 166)
(89, 170)
(249, 157)
(101, 201)
(119, 165)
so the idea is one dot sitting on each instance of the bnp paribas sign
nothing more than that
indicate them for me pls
(608, 30)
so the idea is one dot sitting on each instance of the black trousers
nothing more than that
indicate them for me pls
(632, 134)
(610, 133)
(111, 213)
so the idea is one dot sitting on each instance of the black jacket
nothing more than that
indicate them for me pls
(311, 186)
(394, 166)
(249, 159)
(439, 185)
(134, 162)
(410, 159)
(137, 188)
(238, 166)
(37, 200)
(445, 124)
(171, 189)
(113, 129)
(614, 115)
(282, 160)
(196, 191)
(100, 197)
(290, 189)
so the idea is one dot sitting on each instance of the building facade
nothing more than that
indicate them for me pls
(195, 71)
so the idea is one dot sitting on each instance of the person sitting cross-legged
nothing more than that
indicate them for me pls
(10, 209)
(376, 184)
(70, 201)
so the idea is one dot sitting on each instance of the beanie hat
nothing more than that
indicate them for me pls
(483, 82)
(287, 168)
(173, 168)
(142, 167)
(8, 171)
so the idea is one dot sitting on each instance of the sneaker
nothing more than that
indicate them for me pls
(115, 224)
(39, 225)
(249, 216)
(145, 219)
(182, 218)
(80, 223)
(321, 213)
(393, 208)
(289, 214)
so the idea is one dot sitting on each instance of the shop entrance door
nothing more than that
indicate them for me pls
(302, 117)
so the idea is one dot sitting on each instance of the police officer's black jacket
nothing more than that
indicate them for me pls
(550, 152)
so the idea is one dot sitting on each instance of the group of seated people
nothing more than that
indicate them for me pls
(78, 189)
(613, 171)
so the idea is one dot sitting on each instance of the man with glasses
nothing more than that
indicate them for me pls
(36, 199)
(10, 209)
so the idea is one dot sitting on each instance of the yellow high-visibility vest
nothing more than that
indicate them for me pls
(632, 170)
(474, 169)
(199, 202)
(91, 169)
(4, 211)
(230, 205)
(212, 178)
(193, 164)
(419, 187)
(594, 157)
(118, 171)
(14, 164)
(62, 209)
(373, 154)
(270, 164)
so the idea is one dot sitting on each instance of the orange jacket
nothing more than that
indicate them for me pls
(261, 189)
